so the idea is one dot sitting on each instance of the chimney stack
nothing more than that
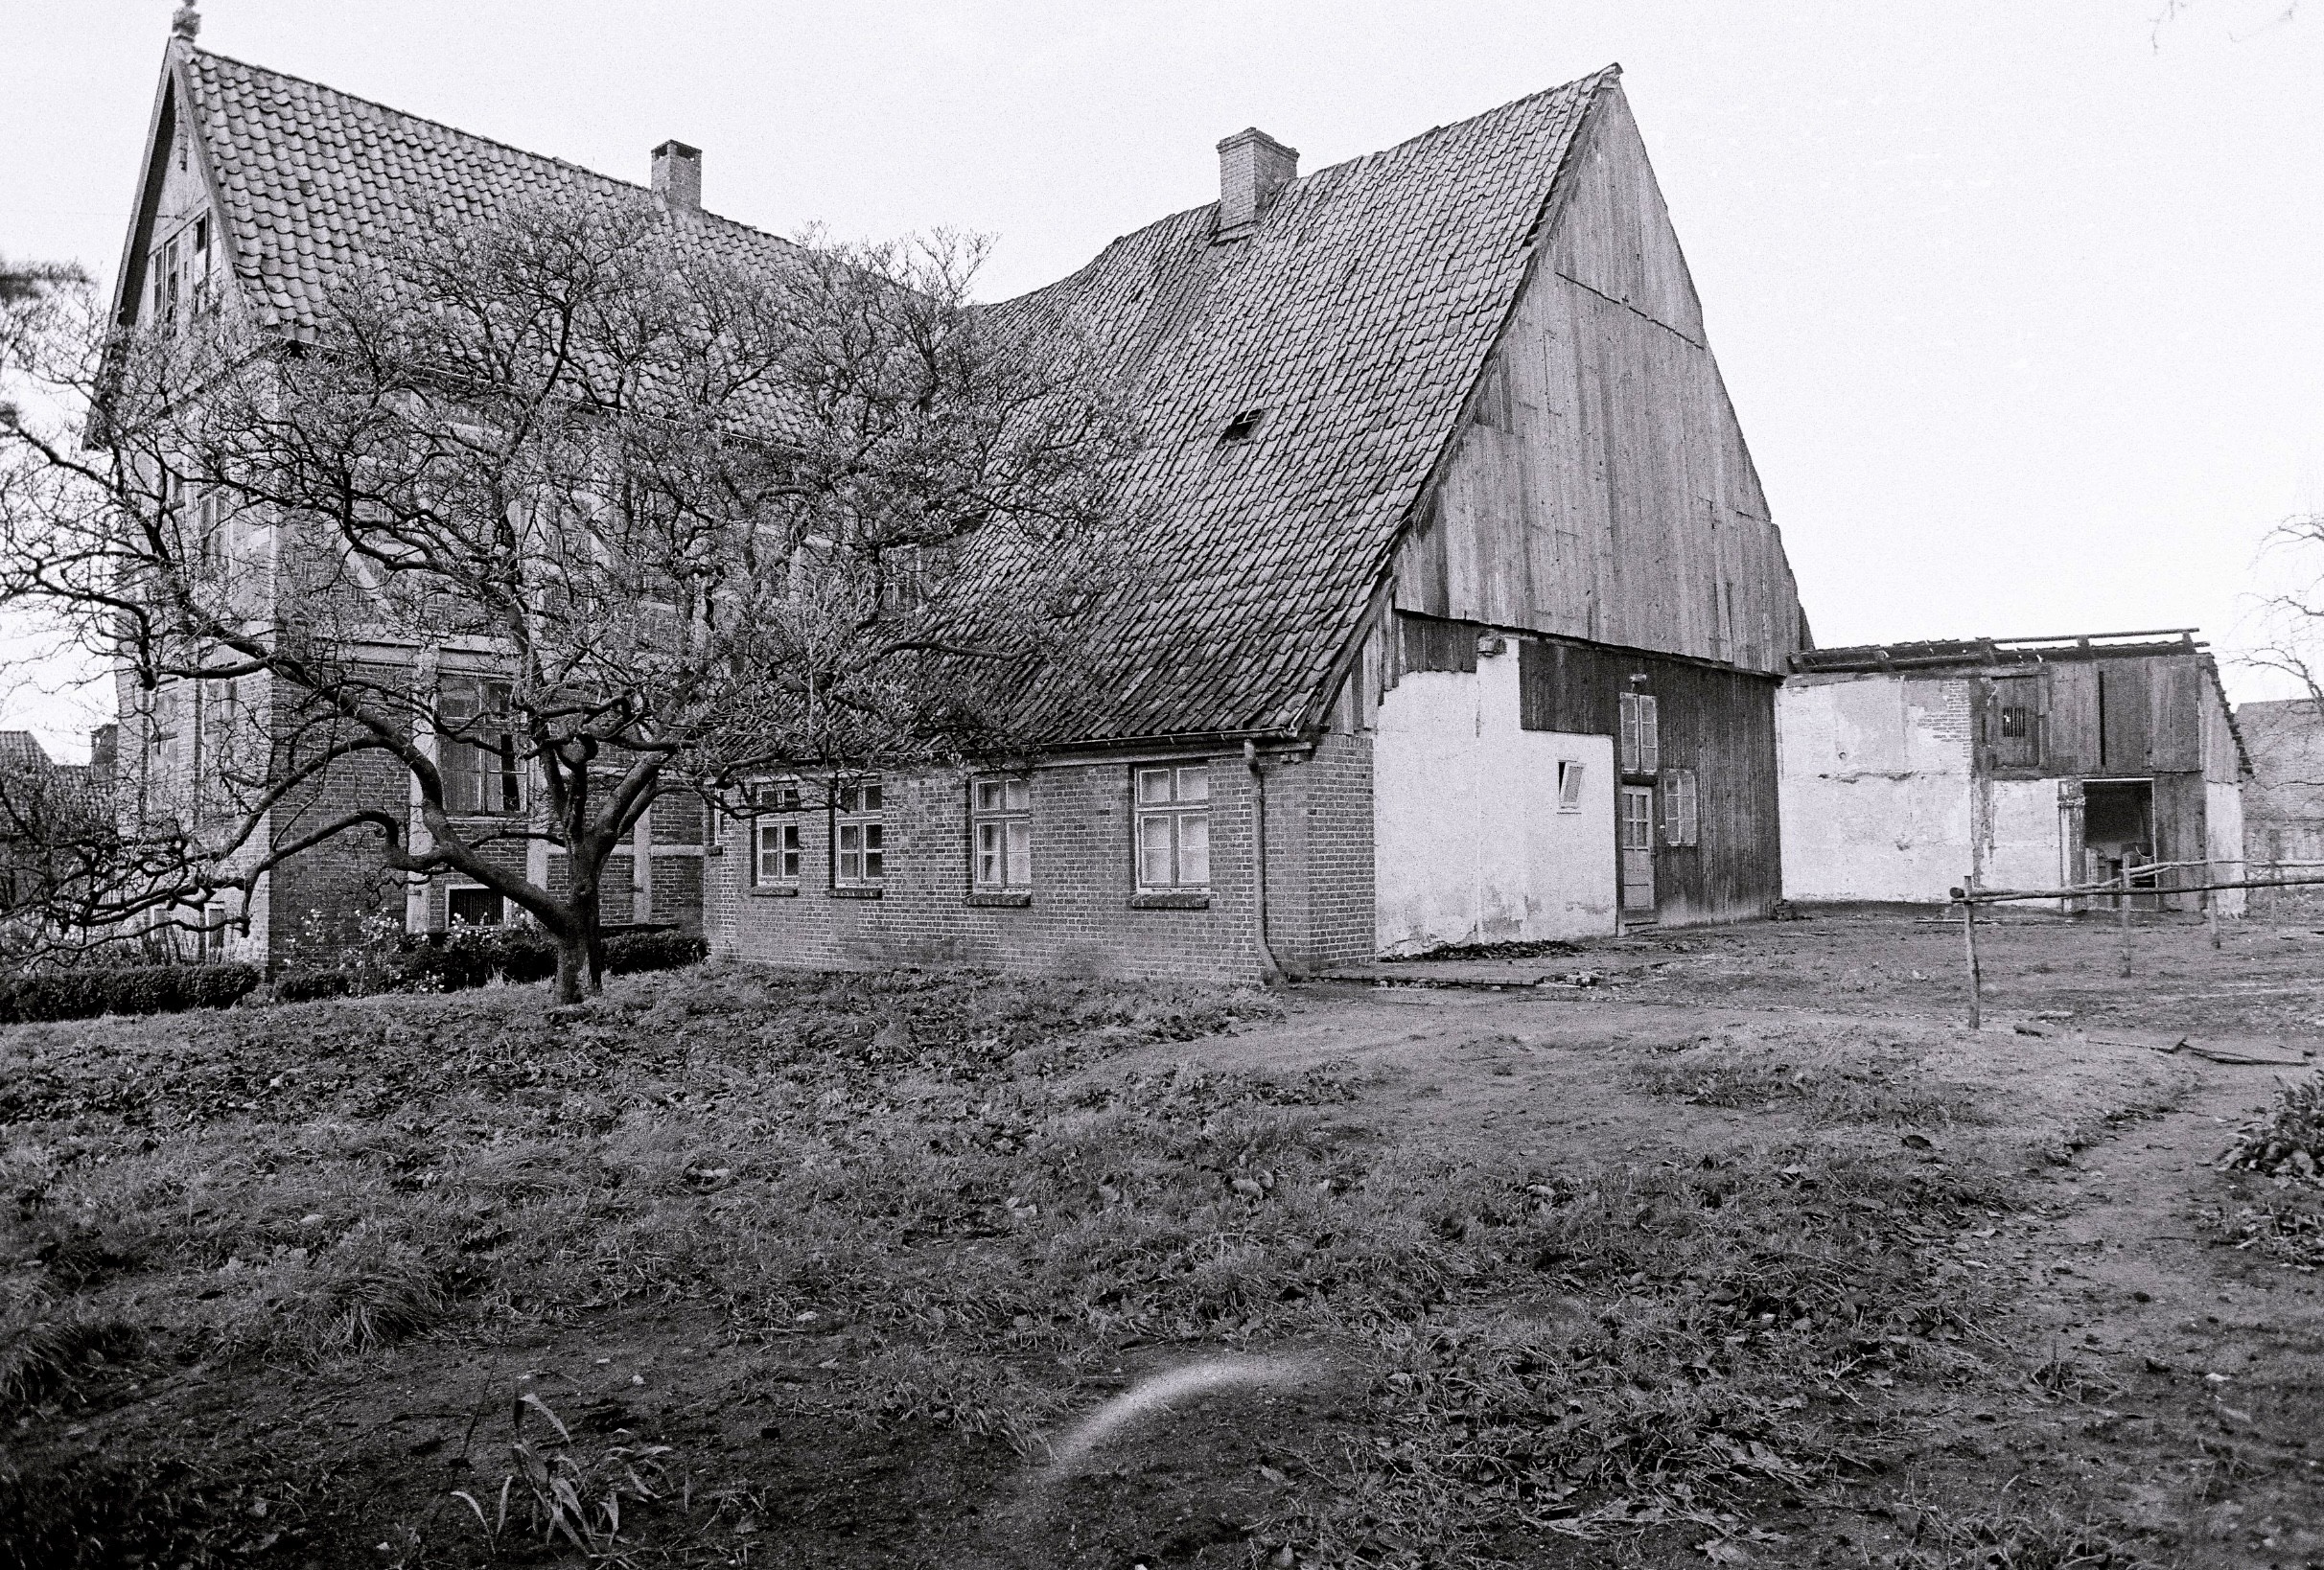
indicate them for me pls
(1253, 167)
(678, 174)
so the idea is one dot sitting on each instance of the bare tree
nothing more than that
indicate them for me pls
(549, 515)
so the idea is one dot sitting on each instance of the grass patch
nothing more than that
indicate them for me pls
(934, 1215)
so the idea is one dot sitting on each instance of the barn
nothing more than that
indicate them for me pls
(2023, 763)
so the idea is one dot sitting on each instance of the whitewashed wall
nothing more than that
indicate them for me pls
(1874, 790)
(1468, 842)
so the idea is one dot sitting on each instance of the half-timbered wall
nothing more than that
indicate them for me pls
(1602, 489)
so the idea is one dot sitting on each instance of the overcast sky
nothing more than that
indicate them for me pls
(2018, 302)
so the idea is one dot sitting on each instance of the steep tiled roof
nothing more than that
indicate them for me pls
(308, 177)
(1357, 315)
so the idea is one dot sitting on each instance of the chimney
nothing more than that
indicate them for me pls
(678, 174)
(1252, 168)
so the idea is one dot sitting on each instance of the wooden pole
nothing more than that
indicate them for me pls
(2211, 903)
(1967, 895)
(2123, 905)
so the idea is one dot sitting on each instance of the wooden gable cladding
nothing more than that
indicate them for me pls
(1600, 487)
(1717, 725)
(2116, 717)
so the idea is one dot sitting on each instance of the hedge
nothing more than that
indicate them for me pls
(471, 956)
(123, 989)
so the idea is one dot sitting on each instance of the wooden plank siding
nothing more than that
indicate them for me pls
(1602, 489)
(1718, 722)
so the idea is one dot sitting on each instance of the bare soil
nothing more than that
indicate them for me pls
(2027, 1340)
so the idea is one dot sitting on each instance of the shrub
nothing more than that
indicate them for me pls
(633, 952)
(306, 985)
(124, 989)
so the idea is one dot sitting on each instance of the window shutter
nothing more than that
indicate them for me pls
(1630, 732)
(1650, 737)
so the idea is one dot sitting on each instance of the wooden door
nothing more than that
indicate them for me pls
(1638, 850)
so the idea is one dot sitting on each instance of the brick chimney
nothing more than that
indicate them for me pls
(1252, 168)
(678, 174)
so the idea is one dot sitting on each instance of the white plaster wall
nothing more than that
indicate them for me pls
(1874, 787)
(1468, 844)
(2024, 850)
(2223, 839)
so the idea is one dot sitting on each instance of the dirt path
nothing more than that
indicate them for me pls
(2200, 1415)
(2171, 1382)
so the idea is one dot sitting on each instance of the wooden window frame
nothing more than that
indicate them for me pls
(1000, 811)
(1681, 807)
(859, 835)
(1641, 739)
(1570, 783)
(472, 764)
(452, 890)
(1171, 811)
(778, 815)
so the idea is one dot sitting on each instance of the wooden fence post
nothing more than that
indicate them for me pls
(1966, 894)
(2211, 901)
(2123, 906)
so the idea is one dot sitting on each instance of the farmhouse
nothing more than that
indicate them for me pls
(1466, 619)
(2028, 763)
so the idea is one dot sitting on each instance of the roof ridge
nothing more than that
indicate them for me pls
(1609, 70)
(466, 135)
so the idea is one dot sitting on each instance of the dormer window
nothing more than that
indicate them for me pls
(1242, 426)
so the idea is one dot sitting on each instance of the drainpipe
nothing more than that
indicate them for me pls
(1269, 971)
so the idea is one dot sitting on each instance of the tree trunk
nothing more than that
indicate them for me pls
(572, 966)
(581, 947)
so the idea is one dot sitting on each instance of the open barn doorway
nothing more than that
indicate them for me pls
(2117, 831)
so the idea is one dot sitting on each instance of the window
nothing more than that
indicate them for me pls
(859, 851)
(1173, 827)
(777, 853)
(473, 908)
(1001, 820)
(1642, 734)
(2014, 726)
(1242, 427)
(476, 748)
(1681, 824)
(1568, 785)
(166, 733)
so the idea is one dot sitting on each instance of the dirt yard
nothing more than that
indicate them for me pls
(1711, 1247)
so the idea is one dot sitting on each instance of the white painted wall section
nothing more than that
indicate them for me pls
(2024, 849)
(2223, 841)
(1469, 844)
(1874, 788)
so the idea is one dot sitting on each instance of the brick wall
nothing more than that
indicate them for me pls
(1082, 917)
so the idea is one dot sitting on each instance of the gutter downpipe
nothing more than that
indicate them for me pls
(1271, 972)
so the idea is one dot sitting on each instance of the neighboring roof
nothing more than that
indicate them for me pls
(20, 748)
(1980, 652)
(308, 176)
(1358, 315)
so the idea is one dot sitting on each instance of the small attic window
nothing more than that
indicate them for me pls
(1241, 426)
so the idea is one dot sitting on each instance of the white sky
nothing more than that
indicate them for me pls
(2020, 304)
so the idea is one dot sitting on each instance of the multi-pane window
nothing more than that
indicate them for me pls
(777, 853)
(1173, 827)
(1642, 737)
(1681, 822)
(859, 851)
(476, 748)
(472, 907)
(1568, 785)
(1001, 819)
(1638, 818)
